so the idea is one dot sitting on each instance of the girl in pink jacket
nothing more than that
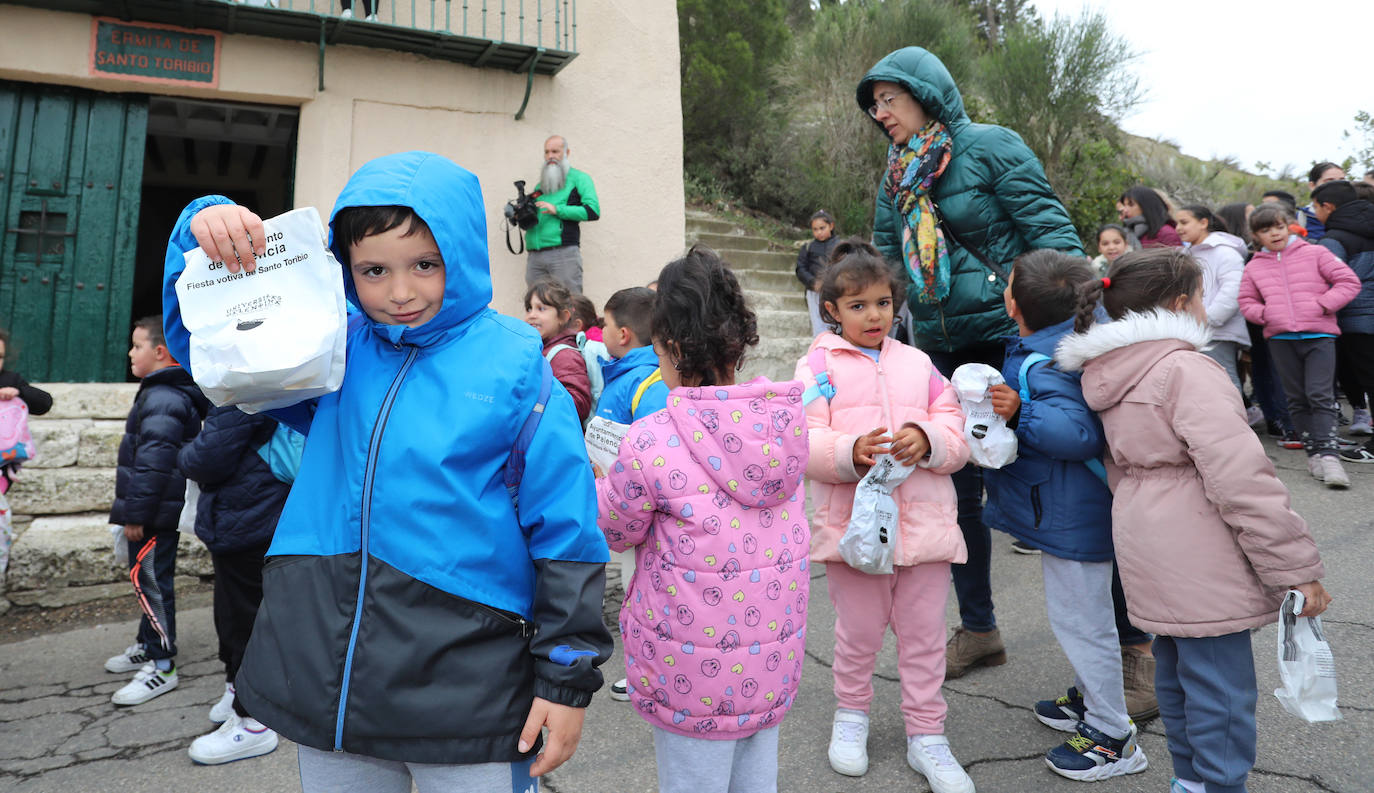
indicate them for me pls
(887, 399)
(1293, 290)
(708, 493)
(1205, 539)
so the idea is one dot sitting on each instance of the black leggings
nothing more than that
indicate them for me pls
(367, 6)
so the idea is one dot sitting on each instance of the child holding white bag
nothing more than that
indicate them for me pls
(887, 399)
(1205, 538)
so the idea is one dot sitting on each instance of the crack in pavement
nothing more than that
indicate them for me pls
(1315, 781)
(1348, 622)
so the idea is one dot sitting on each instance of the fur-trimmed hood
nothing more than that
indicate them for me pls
(1115, 356)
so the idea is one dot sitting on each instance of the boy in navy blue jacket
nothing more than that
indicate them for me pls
(417, 622)
(634, 388)
(1054, 497)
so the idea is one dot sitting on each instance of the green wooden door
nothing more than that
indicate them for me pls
(71, 167)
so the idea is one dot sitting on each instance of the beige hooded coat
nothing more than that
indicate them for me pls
(1205, 538)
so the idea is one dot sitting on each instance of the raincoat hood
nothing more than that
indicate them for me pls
(754, 446)
(448, 198)
(633, 359)
(926, 77)
(1221, 239)
(1122, 353)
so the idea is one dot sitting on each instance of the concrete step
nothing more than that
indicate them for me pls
(89, 400)
(737, 241)
(768, 280)
(782, 324)
(774, 358)
(77, 550)
(709, 225)
(760, 260)
(779, 301)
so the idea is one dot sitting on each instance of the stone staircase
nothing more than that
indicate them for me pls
(772, 289)
(63, 549)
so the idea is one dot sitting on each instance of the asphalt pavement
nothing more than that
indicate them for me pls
(60, 734)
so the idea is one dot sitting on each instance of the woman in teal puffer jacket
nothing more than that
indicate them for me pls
(991, 192)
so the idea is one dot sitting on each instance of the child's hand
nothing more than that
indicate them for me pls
(231, 234)
(1005, 401)
(565, 730)
(1315, 599)
(8, 393)
(867, 446)
(133, 532)
(910, 444)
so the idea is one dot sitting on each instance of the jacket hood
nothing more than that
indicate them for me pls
(179, 378)
(1221, 239)
(1293, 247)
(753, 437)
(1356, 217)
(926, 77)
(1116, 356)
(448, 199)
(1046, 340)
(633, 359)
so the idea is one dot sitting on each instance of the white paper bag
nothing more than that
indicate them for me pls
(870, 540)
(1306, 667)
(991, 443)
(603, 443)
(275, 336)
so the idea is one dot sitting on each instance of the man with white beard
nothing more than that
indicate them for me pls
(566, 198)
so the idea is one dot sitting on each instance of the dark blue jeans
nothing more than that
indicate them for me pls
(1128, 634)
(973, 579)
(153, 572)
(1207, 694)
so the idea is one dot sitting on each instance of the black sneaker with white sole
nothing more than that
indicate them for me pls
(1359, 454)
(620, 690)
(1024, 548)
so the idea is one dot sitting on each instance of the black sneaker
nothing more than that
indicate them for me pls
(1345, 444)
(1359, 454)
(1021, 547)
(1064, 713)
(1290, 440)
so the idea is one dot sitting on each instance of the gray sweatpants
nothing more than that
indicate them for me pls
(813, 308)
(345, 772)
(1078, 596)
(563, 263)
(1307, 369)
(697, 765)
(1226, 353)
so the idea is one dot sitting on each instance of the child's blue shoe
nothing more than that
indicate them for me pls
(1091, 755)
(1062, 714)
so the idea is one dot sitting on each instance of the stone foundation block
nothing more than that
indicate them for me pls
(62, 491)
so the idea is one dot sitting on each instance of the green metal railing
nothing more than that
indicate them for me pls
(541, 23)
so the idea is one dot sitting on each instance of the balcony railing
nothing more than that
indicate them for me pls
(528, 36)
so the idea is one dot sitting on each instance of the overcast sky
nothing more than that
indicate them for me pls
(1199, 63)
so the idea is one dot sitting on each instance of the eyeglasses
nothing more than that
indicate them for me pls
(883, 103)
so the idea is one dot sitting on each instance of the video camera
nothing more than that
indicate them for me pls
(522, 210)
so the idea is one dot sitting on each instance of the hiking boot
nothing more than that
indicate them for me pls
(1024, 548)
(236, 739)
(930, 756)
(219, 714)
(1091, 755)
(1360, 455)
(1138, 682)
(148, 683)
(967, 649)
(1361, 423)
(1333, 474)
(131, 660)
(1062, 714)
(620, 690)
(849, 742)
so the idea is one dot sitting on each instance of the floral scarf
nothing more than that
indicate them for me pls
(911, 173)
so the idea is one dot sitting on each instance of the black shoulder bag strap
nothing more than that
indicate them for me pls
(996, 269)
(511, 248)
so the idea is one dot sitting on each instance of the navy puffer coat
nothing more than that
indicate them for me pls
(149, 488)
(1350, 235)
(240, 499)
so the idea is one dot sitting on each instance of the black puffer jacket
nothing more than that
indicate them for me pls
(37, 400)
(149, 488)
(1350, 235)
(240, 499)
(812, 259)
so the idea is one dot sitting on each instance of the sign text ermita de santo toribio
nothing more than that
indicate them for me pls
(154, 53)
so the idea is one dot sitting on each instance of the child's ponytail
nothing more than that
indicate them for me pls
(1139, 281)
(1089, 295)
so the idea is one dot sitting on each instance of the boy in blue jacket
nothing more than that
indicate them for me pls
(1054, 497)
(632, 371)
(417, 622)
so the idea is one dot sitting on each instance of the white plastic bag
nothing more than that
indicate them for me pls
(1306, 667)
(275, 336)
(603, 443)
(187, 521)
(991, 443)
(121, 545)
(869, 543)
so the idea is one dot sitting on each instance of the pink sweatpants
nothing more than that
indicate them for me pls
(912, 601)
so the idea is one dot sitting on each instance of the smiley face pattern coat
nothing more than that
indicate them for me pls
(708, 493)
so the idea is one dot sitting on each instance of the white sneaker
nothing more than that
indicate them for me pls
(371, 17)
(1333, 473)
(1254, 416)
(236, 739)
(220, 713)
(131, 660)
(620, 690)
(1315, 468)
(148, 683)
(347, 13)
(1361, 423)
(849, 742)
(930, 755)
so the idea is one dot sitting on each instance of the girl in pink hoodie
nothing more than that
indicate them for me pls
(887, 399)
(1205, 539)
(708, 493)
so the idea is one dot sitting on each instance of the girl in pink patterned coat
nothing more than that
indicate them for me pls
(708, 493)
(888, 399)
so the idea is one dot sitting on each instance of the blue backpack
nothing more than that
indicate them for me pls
(282, 453)
(1099, 470)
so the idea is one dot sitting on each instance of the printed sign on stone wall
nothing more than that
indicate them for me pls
(147, 52)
